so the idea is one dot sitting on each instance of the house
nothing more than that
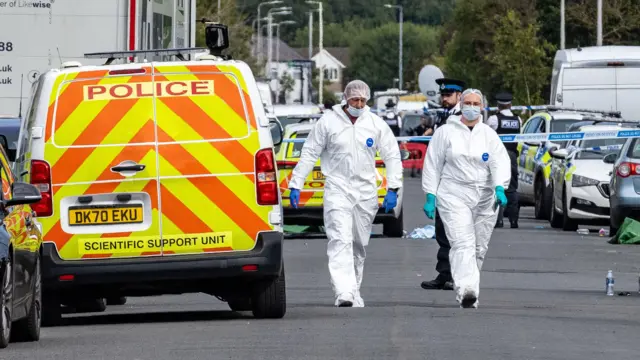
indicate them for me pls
(286, 62)
(334, 61)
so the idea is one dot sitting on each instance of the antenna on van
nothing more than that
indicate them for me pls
(59, 57)
(21, 83)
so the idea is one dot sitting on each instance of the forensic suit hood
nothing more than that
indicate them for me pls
(347, 155)
(462, 169)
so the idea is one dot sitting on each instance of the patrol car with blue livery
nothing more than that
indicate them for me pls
(534, 161)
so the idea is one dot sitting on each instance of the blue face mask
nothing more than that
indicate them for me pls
(354, 111)
(471, 112)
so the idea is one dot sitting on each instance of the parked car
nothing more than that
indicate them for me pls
(579, 180)
(311, 195)
(20, 261)
(624, 185)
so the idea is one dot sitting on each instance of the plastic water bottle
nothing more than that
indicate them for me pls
(610, 282)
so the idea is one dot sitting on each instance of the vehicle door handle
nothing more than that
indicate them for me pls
(123, 168)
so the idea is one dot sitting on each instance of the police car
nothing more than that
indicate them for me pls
(580, 179)
(534, 161)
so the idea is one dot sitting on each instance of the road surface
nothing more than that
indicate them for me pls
(542, 297)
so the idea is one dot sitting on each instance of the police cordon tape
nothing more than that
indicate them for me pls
(613, 113)
(516, 138)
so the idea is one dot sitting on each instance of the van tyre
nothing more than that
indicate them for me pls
(117, 300)
(28, 329)
(6, 303)
(240, 304)
(393, 228)
(51, 309)
(269, 300)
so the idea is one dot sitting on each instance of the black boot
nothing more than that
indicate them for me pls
(439, 283)
(514, 224)
(499, 225)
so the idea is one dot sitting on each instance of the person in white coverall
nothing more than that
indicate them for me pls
(346, 141)
(465, 172)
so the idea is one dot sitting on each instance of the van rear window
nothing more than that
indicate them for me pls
(118, 110)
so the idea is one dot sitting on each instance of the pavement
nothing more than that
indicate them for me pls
(542, 297)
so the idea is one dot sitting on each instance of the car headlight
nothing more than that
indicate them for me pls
(579, 181)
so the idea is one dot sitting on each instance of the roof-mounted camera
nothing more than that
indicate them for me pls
(216, 37)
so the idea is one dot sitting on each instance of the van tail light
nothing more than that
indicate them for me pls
(286, 164)
(266, 179)
(41, 179)
(627, 169)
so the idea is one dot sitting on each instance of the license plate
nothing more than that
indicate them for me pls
(105, 215)
(317, 175)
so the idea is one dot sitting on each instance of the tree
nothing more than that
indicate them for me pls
(240, 35)
(519, 58)
(620, 22)
(374, 54)
(286, 86)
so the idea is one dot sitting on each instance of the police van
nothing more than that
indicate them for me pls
(156, 178)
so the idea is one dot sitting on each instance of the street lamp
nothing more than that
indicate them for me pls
(321, 82)
(258, 32)
(286, 22)
(260, 28)
(399, 7)
(270, 13)
(310, 12)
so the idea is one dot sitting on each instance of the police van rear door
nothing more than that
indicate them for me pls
(209, 159)
(100, 146)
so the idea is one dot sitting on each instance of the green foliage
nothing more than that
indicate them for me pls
(374, 54)
(287, 83)
(519, 59)
(239, 33)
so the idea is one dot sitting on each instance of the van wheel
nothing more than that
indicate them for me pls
(567, 223)
(51, 309)
(269, 300)
(240, 304)
(541, 201)
(555, 219)
(6, 303)
(117, 300)
(28, 329)
(393, 228)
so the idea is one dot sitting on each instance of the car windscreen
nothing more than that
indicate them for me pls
(409, 122)
(561, 125)
(596, 154)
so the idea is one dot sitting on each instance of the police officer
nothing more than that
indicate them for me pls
(450, 92)
(505, 122)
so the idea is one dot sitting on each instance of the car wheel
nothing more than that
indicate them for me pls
(51, 309)
(567, 223)
(240, 304)
(28, 329)
(555, 219)
(269, 300)
(117, 300)
(6, 303)
(394, 228)
(541, 201)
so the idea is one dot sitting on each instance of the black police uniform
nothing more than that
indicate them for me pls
(444, 280)
(510, 125)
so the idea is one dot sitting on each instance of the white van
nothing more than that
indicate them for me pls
(600, 78)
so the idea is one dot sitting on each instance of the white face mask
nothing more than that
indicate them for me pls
(471, 112)
(354, 111)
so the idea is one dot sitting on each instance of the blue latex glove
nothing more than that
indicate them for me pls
(390, 201)
(430, 206)
(501, 198)
(294, 197)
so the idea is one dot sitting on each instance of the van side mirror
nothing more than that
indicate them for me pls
(559, 154)
(217, 37)
(610, 158)
(277, 133)
(22, 194)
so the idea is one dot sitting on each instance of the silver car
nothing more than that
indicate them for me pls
(624, 198)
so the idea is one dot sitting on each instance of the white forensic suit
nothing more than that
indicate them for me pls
(347, 156)
(462, 169)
